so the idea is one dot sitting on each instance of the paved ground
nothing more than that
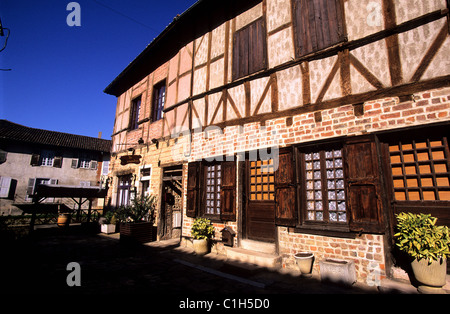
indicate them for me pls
(38, 265)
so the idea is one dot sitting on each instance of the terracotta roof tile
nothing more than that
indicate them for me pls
(16, 132)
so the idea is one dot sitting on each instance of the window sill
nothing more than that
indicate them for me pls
(325, 230)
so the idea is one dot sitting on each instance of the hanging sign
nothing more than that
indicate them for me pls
(130, 159)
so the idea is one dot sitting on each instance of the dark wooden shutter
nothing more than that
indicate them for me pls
(363, 185)
(228, 191)
(257, 51)
(318, 24)
(35, 160)
(193, 188)
(57, 162)
(249, 49)
(285, 187)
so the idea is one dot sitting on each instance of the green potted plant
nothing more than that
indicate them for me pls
(202, 231)
(428, 246)
(136, 220)
(108, 222)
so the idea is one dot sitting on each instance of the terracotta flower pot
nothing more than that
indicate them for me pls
(431, 276)
(304, 262)
(63, 220)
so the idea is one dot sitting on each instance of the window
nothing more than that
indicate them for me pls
(85, 161)
(249, 49)
(325, 188)
(262, 186)
(159, 98)
(123, 190)
(211, 190)
(135, 111)
(420, 170)
(146, 172)
(47, 158)
(318, 25)
(213, 182)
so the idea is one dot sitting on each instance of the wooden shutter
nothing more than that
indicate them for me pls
(74, 163)
(93, 165)
(318, 24)
(228, 191)
(35, 160)
(363, 185)
(31, 186)
(57, 162)
(249, 49)
(193, 189)
(285, 187)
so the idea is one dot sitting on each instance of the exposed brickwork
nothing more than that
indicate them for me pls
(366, 251)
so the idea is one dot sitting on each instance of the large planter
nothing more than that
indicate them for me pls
(432, 277)
(136, 232)
(304, 262)
(201, 246)
(108, 228)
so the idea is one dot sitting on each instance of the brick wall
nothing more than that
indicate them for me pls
(377, 115)
(366, 251)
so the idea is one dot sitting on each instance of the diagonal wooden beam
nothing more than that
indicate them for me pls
(372, 79)
(429, 55)
(263, 96)
(328, 81)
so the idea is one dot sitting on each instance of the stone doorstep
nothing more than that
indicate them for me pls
(239, 257)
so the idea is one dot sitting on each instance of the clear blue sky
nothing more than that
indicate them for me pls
(58, 73)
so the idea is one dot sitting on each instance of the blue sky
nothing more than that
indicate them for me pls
(58, 73)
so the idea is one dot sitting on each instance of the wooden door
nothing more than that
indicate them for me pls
(260, 201)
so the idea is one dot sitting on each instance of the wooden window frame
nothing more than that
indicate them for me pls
(123, 188)
(270, 180)
(136, 105)
(416, 164)
(159, 100)
(215, 176)
(197, 190)
(246, 58)
(326, 222)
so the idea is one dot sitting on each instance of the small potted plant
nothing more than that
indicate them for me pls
(428, 247)
(108, 222)
(202, 231)
(136, 220)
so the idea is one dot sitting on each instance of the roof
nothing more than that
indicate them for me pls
(16, 132)
(199, 18)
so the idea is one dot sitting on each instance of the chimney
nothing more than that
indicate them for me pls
(99, 134)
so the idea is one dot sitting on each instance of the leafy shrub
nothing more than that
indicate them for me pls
(202, 229)
(141, 208)
(420, 238)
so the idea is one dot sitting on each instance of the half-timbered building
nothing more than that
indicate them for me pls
(301, 125)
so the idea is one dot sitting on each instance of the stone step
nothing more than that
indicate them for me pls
(258, 246)
(243, 256)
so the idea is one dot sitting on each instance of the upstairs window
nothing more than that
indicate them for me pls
(159, 99)
(135, 111)
(47, 158)
(249, 49)
(318, 25)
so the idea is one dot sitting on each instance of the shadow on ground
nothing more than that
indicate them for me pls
(37, 265)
